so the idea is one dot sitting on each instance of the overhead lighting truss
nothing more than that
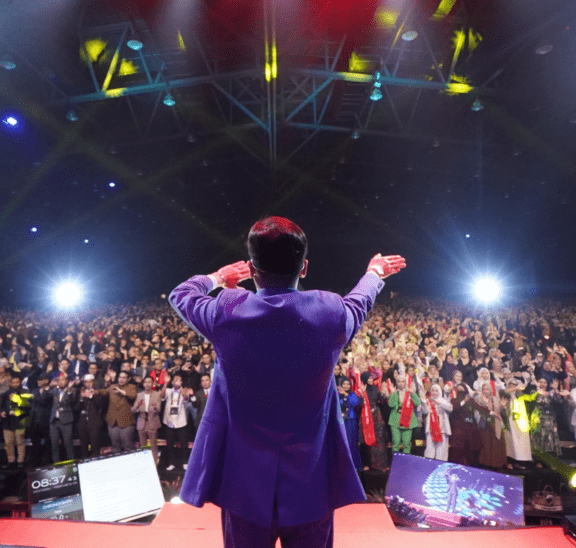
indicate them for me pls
(264, 94)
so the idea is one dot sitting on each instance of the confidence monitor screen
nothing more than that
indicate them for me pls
(431, 493)
(107, 489)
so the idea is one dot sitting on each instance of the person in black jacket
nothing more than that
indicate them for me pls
(62, 417)
(40, 422)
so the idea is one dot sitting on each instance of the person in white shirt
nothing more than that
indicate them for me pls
(437, 425)
(176, 421)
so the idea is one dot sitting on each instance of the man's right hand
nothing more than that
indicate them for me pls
(231, 275)
(386, 266)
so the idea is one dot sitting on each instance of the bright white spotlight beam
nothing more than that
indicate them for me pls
(68, 294)
(487, 290)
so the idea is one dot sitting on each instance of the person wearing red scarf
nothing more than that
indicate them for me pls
(437, 424)
(403, 402)
(373, 427)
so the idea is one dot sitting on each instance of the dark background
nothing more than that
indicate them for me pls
(503, 175)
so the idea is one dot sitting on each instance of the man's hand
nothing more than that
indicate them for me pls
(231, 275)
(386, 266)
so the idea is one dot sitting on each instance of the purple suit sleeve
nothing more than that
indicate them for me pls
(359, 302)
(191, 302)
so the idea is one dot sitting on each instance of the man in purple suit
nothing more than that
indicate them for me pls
(271, 449)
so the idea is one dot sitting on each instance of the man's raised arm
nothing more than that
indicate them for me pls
(361, 299)
(190, 299)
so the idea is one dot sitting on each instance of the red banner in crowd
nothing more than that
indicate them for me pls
(435, 430)
(368, 423)
(407, 408)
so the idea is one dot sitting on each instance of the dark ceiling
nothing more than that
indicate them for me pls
(424, 171)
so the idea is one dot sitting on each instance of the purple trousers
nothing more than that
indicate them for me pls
(240, 533)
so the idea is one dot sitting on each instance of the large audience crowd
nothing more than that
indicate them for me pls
(493, 388)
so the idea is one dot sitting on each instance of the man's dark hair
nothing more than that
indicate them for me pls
(277, 246)
(205, 375)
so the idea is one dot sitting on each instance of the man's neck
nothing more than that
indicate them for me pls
(270, 281)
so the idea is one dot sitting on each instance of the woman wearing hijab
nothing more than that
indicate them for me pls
(465, 439)
(373, 420)
(437, 426)
(517, 435)
(484, 378)
(350, 405)
(490, 423)
(403, 403)
(544, 436)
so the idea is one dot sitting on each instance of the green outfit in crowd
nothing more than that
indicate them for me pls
(400, 434)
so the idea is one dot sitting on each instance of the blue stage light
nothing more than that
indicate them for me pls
(134, 44)
(487, 290)
(10, 121)
(169, 100)
(376, 95)
(111, 184)
(68, 294)
(34, 229)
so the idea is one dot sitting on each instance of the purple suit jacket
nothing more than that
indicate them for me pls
(272, 427)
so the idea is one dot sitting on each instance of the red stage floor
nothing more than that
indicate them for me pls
(184, 525)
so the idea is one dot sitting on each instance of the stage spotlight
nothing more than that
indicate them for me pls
(10, 121)
(376, 95)
(134, 44)
(487, 290)
(409, 35)
(7, 63)
(169, 100)
(68, 294)
(477, 106)
(72, 115)
(34, 229)
(573, 481)
(111, 184)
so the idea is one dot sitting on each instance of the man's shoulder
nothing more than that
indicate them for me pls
(229, 299)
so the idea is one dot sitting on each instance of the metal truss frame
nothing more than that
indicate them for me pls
(298, 99)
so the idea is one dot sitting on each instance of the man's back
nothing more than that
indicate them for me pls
(272, 426)
(279, 347)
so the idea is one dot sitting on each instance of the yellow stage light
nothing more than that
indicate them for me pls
(127, 68)
(116, 92)
(94, 48)
(358, 64)
(386, 18)
(444, 9)
(181, 42)
(458, 85)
